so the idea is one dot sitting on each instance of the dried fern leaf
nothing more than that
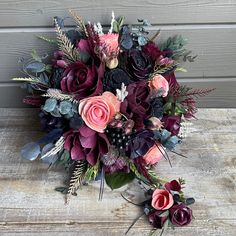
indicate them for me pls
(163, 70)
(65, 45)
(76, 178)
(58, 95)
(79, 21)
(52, 41)
(58, 147)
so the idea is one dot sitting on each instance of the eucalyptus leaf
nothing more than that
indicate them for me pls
(142, 40)
(117, 180)
(65, 107)
(35, 56)
(36, 67)
(30, 151)
(50, 105)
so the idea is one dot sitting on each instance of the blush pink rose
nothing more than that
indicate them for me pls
(162, 199)
(159, 82)
(98, 111)
(153, 155)
(111, 41)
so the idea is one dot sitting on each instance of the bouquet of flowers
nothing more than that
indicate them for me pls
(111, 108)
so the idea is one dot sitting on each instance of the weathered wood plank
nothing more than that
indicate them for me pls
(29, 205)
(37, 13)
(216, 55)
(224, 95)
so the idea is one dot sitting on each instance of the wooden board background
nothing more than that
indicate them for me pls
(209, 26)
(30, 206)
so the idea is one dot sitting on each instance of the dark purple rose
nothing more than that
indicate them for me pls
(157, 107)
(170, 77)
(180, 215)
(140, 143)
(82, 80)
(139, 65)
(172, 124)
(173, 186)
(156, 220)
(114, 78)
(151, 50)
(86, 144)
(136, 105)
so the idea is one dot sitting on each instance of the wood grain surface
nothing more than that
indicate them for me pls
(30, 206)
(209, 26)
(15, 13)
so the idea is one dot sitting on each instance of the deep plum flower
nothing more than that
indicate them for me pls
(180, 215)
(156, 220)
(172, 124)
(58, 60)
(151, 50)
(136, 105)
(139, 66)
(98, 111)
(173, 185)
(157, 107)
(86, 144)
(162, 199)
(82, 80)
(140, 144)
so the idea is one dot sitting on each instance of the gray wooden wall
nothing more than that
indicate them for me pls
(210, 27)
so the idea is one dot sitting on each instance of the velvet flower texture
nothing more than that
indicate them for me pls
(85, 144)
(82, 80)
(112, 108)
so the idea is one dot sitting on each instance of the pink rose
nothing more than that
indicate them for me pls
(162, 199)
(154, 154)
(159, 82)
(98, 111)
(111, 41)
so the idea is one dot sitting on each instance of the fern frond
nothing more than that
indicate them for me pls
(58, 95)
(58, 147)
(76, 178)
(65, 45)
(52, 41)
(155, 179)
(79, 21)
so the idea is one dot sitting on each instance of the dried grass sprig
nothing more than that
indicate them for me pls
(65, 45)
(79, 21)
(58, 95)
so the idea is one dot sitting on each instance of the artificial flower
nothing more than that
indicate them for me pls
(158, 82)
(82, 80)
(98, 111)
(180, 215)
(154, 154)
(162, 199)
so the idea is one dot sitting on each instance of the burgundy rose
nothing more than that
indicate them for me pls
(156, 220)
(180, 215)
(151, 50)
(86, 144)
(173, 186)
(170, 77)
(136, 105)
(139, 65)
(82, 80)
(172, 124)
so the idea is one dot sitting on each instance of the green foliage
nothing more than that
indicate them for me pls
(91, 172)
(117, 24)
(119, 179)
(176, 44)
(51, 41)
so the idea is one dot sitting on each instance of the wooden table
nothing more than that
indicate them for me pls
(30, 206)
